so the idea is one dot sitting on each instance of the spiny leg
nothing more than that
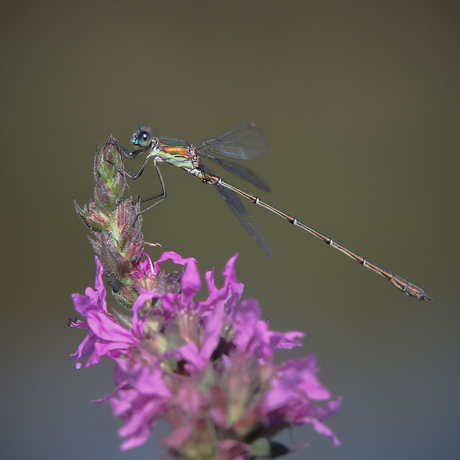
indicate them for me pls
(162, 196)
(137, 174)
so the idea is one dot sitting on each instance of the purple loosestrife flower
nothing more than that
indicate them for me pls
(207, 367)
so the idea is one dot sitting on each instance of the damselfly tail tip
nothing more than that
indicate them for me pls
(425, 297)
(418, 293)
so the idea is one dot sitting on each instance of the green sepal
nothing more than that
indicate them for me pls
(265, 448)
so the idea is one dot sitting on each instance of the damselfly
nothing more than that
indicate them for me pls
(245, 142)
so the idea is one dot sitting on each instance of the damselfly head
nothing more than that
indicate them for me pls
(142, 137)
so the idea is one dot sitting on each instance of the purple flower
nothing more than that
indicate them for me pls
(206, 367)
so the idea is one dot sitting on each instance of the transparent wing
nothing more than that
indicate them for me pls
(245, 142)
(240, 171)
(246, 219)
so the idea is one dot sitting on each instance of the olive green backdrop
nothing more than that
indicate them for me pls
(360, 103)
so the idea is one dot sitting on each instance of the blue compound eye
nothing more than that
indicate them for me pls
(142, 137)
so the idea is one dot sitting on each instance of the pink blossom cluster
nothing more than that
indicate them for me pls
(206, 367)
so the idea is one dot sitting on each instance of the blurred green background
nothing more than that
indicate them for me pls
(360, 103)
